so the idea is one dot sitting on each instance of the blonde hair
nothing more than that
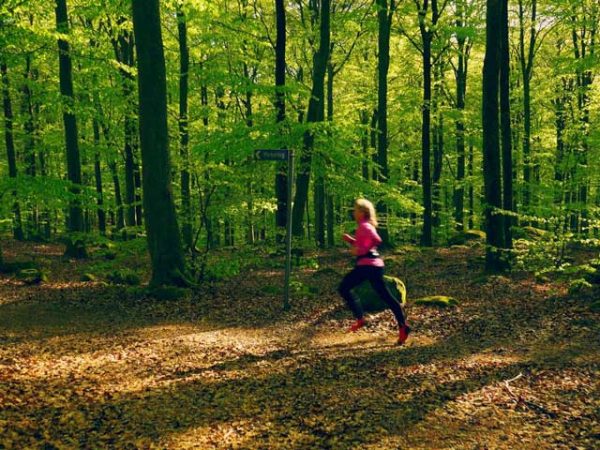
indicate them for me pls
(368, 210)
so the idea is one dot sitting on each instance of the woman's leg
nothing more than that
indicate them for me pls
(382, 290)
(350, 281)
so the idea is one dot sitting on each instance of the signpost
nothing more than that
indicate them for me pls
(284, 154)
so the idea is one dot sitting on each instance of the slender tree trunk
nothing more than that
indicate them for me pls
(281, 176)
(426, 236)
(98, 179)
(164, 241)
(10, 148)
(491, 139)
(505, 119)
(124, 51)
(438, 148)
(471, 192)
(384, 18)
(30, 139)
(75, 223)
(315, 114)
(184, 135)
(461, 88)
(329, 196)
(526, 58)
(364, 143)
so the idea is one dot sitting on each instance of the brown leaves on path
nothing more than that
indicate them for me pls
(89, 366)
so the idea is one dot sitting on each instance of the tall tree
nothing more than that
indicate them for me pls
(585, 23)
(123, 46)
(429, 15)
(281, 176)
(494, 226)
(385, 14)
(527, 49)
(9, 140)
(164, 242)
(505, 125)
(75, 223)
(184, 133)
(316, 113)
(463, 50)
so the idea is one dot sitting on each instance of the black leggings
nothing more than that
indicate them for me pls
(375, 276)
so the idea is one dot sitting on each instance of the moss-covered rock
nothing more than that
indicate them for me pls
(88, 277)
(439, 301)
(75, 248)
(31, 276)
(578, 286)
(124, 276)
(371, 302)
(530, 233)
(469, 236)
(16, 266)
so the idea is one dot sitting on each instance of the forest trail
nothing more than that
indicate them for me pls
(515, 365)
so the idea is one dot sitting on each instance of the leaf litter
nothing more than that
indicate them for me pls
(515, 365)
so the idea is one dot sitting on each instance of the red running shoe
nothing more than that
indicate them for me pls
(357, 325)
(403, 334)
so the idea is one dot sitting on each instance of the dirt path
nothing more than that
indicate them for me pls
(83, 365)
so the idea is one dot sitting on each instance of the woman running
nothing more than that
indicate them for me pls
(368, 266)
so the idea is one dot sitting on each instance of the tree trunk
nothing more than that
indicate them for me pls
(384, 19)
(124, 52)
(461, 90)
(329, 196)
(70, 122)
(98, 178)
(438, 148)
(281, 176)
(164, 241)
(494, 226)
(507, 160)
(184, 135)
(10, 148)
(315, 114)
(471, 223)
(426, 236)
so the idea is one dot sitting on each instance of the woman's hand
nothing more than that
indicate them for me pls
(347, 238)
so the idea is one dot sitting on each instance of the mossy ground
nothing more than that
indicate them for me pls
(88, 365)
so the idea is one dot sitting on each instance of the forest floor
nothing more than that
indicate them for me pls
(88, 365)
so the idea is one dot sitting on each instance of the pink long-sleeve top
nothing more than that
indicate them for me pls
(365, 240)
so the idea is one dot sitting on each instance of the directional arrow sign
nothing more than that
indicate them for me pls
(272, 155)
